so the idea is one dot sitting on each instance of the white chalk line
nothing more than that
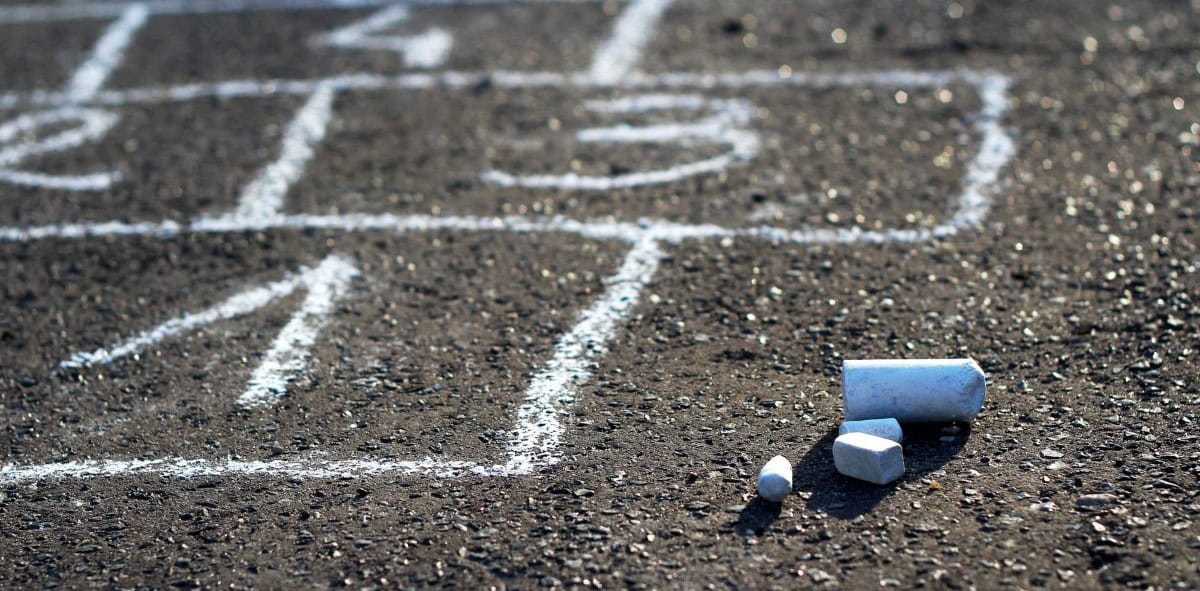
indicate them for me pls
(996, 150)
(31, 13)
(197, 468)
(107, 55)
(248, 88)
(537, 434)
(621, 53)
(726, 125)
(663, 230)
(263, 196)
(421, 50)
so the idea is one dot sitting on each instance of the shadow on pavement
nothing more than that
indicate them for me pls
(757, 517)
(846, 498)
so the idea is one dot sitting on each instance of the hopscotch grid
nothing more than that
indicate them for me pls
(551, 390)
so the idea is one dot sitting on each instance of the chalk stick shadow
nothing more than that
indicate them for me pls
(842, 497)
(757, 517)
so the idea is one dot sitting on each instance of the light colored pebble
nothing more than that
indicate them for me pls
(867, 457)
(913, 390)
(775, 480)
(1095, 501)
(885, 428)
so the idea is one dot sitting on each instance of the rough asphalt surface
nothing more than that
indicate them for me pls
(1077, 295)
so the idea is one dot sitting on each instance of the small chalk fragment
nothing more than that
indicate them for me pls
(867, 457)
(913, 390)
(885, 428)
(775, 480)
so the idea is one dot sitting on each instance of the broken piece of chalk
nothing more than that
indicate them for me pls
(913, 390)
(775, 480)
(885, 428)
(867, 457)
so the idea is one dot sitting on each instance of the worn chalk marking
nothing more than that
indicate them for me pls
(996, 149)
(326, 283)
(108, 53)
(196, 468)
(87, 80)
(248, 88)
(726, 125)
(620, 54)
(263, 196)
(47, 11)
(17, 145)
(537, 435)
(422, 50)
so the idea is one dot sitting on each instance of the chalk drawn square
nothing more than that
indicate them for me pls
(163, 160)
(753, 153)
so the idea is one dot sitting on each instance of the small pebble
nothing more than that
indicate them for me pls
(775, 480)
(867, 457)
(1095, 501)
(885, 428)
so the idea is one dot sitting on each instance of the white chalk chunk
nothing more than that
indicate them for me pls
(775, 480)
(913, 390)
(885, 428)
(867, 457)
